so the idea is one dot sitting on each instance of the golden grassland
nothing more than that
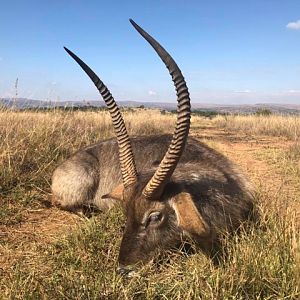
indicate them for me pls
(46, 253)
(273, 125)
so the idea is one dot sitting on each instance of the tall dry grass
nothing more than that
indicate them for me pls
(30, 141)
(261, 263)
(273, 125)
(33, 143)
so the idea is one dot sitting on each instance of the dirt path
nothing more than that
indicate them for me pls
(242, 150)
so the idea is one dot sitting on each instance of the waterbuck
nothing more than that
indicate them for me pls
(171, 187)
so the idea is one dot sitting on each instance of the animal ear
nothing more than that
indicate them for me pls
(116, 193)
(188, 216)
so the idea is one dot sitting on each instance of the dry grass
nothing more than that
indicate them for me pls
(274, 125)
(42, 257)
(32, 144)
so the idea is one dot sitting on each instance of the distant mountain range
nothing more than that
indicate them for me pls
(23, 103)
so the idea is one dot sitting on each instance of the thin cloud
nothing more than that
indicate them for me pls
(294, 25)
(1, 58)
(152, 93)
(294, 91)
(243, 92)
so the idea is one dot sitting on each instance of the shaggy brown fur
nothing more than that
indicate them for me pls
(205, 197)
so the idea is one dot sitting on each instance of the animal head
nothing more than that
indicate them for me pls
(154, 224)
(158, 211)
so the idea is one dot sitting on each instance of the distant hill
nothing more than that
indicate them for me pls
(23, 103)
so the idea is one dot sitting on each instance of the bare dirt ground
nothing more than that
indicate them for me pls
(44, 225)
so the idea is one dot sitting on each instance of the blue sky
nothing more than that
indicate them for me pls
(231, 52)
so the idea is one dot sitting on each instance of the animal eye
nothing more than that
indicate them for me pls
(154, 218)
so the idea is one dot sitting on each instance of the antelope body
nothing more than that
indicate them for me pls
(171, 187)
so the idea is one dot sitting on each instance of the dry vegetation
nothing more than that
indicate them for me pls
(49, 254)
(273, 125)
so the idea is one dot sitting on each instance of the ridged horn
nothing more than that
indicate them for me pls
(128, 168)
(168, 164)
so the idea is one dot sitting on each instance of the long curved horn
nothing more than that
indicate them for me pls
(128, 169)
(168, 164)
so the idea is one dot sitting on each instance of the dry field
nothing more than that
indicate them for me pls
(46, 253)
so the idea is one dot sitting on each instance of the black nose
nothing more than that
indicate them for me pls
(125, 270)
